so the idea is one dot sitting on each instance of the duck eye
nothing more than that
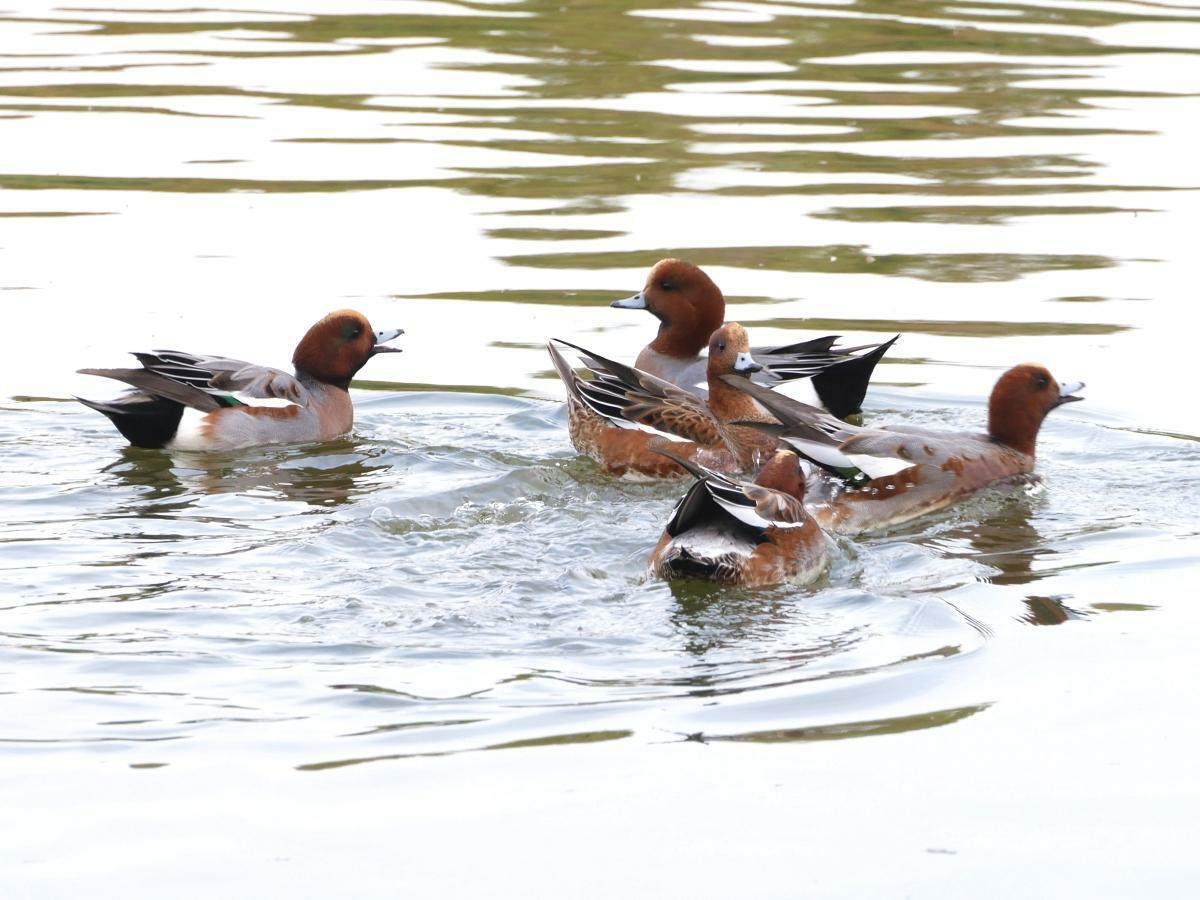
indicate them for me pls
(1043, 381)
(721, 347)
(667, 285)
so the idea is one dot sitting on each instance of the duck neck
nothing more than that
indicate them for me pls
(319, 382)
(728, 405)
(1017, 429)
(684, 330)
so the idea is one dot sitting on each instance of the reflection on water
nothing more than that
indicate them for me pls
(848, 729)
(323, 476)
(1007, 542)
(835, 259)
(709, 617)
(563, 81)
(1004, 538)
(994, 181)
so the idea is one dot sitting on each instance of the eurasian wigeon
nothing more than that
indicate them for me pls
(739, 532)
(690, 307)
(885, 476)
(317, 408)
(622, 415)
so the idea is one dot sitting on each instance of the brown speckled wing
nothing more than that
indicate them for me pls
(617, 391)
(691, 421)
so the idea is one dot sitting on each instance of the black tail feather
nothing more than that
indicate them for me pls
(683, 564)
(813, 346)
(843, 386)
(145, 421)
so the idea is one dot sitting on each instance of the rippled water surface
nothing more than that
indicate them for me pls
(424, 660)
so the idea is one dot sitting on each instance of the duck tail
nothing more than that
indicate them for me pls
(682, 563)
(565, 372)
(144, 420)
(842, 386)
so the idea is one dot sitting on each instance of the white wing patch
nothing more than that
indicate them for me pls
(871, 466)
(879, 466)
(730, 497)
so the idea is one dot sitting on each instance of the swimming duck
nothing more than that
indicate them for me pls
(621, 416)
(690, 307)
(185, 401)
(739, 532)
(884, 476)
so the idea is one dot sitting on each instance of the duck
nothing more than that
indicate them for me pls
(753, 534)
(186, 401)
(621, 416)
(878, 477)
(690, 307)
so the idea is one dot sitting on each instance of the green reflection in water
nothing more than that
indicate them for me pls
(552, 740)
(141, 110)
(584, 207)
(831, 259)
(842, 730)
(561, 298)
(960, 215)
(196, 185)
(551, 234)
(567, 53)
(533, 297)
(49, 215)
(337, 140)
(943, 328)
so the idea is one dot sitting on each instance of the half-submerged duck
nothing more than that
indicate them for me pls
(690, 307)
(884, 476)
(739, 532)
(185, 401)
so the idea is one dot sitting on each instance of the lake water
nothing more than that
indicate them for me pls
(424, 661)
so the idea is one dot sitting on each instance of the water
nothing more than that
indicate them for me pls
(277, 671)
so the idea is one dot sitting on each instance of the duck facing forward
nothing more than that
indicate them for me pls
(884, 476)
(752, 534)
(185, 401)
